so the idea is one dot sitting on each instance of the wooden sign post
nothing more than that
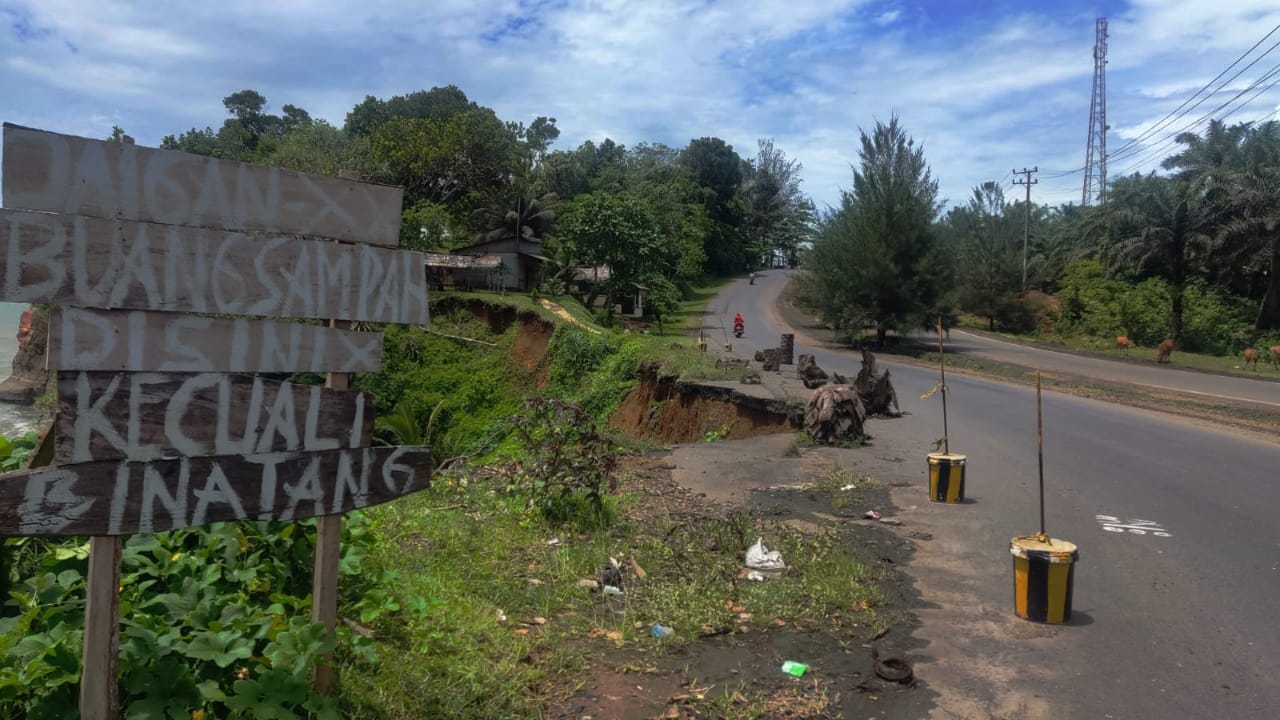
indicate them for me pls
(155, 431)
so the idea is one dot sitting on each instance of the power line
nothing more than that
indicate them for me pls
(1172, 140)
(1137, 149)
(1161, 122)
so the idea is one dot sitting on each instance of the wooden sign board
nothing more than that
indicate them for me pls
(139, 416)
(121, 498)
(73, 175)
(89, 262)
(136, 340)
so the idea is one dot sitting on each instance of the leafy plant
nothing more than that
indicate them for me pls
(15, 453)
(568, 467)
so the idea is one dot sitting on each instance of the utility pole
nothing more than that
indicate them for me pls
(1026, 223)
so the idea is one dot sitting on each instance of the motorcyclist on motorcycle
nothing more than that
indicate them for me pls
(738, 325)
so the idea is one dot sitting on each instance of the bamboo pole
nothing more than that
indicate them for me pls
(1040, 452)
(942, 367)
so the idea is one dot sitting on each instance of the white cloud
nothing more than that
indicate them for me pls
(984, 92)
(887, 18)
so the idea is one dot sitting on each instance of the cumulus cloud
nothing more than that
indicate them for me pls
(984, 91)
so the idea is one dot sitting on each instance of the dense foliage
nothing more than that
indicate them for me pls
(1192, 255)
(214, 621)
(469, 176)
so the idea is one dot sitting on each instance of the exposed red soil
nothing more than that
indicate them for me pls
(663, 409)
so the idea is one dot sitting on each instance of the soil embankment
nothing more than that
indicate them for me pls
(665, 409)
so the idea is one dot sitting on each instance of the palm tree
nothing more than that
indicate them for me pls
(1162, 223)
(519, 215)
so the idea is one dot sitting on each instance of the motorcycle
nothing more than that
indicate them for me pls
(738, 328)
(753, 279)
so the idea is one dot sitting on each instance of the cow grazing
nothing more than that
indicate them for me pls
(1123, 344)
(1251, 356)
(1164, 351)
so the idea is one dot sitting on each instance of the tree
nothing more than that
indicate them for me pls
(876, 261)
(438, 104)
(781, 217)
(613, 231)
(717, 169)
(986, 244)
(518, 214)
(1162, 223)
(465, 159)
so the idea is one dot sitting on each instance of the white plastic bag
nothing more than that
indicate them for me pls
(762, 558)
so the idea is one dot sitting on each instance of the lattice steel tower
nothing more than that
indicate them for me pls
(1095, 159)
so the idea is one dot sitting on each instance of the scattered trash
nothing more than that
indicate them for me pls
(890, 521)
(553, 541)
(536, 621)
(535, 581)
(639, 571)
(611, 575)
(589, 584)
(612, 590)
(850, 486)
(872, 515)
(662, 632)
(791, 667)
(755, 576)
(502, 617)
(761, 558)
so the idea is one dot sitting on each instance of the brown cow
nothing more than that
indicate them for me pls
(1164, 351)
(1275, 356)
(1251, 356)
(1123, 344)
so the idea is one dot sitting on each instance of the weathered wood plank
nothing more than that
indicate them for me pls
(99, 686)
(126, 497)
(90, 262)
(325, 565)
(143, 416)
(50, 172)
(141, 341)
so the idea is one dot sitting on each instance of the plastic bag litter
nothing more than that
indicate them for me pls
(762, 558)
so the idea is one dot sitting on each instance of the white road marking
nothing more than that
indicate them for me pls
(1111, 523)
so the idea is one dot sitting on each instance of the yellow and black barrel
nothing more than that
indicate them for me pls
(946, 477)
(1043, 575)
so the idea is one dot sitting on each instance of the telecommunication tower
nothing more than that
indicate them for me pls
(1095, 160)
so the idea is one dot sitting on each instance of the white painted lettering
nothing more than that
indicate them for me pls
(217, 489)
(155, 488)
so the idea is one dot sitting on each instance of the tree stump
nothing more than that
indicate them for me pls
(874, 388)
(834, 413)
(809, 372)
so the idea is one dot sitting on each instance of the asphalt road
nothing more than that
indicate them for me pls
(1181, 624)
(1139, 369)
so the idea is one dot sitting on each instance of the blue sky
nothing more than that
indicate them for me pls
(985, 86)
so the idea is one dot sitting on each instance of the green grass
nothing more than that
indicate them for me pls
(1106, 347)
(688, 319)
(462, 554)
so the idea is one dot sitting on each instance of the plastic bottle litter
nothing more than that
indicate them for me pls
(762, 558)
(791, 667)
(872, 515)
(612, 590)
(755, 576)
(662, 632)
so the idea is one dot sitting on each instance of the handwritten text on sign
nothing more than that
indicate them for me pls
(121, 498)
(63, 174)
(138, 416)
(71, 260)
(82, 339)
